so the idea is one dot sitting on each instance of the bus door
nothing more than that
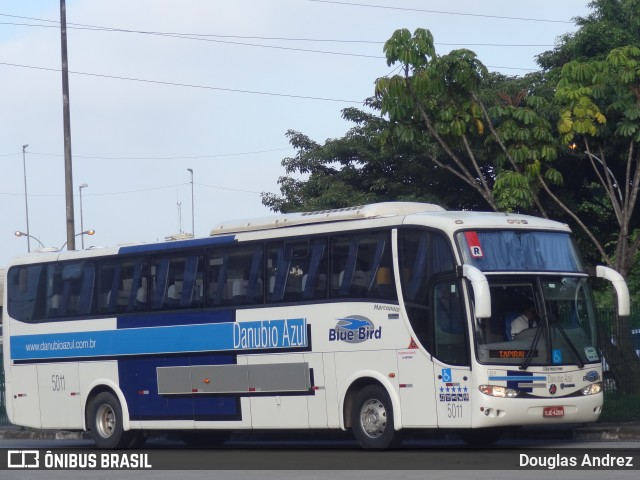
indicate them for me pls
(451, 371)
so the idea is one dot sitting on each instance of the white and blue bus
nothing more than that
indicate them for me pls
(378, 319)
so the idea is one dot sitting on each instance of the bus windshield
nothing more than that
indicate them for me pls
(538, 320)
(518, 250)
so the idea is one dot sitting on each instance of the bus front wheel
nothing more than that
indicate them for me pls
(372, 418)
(105, 422)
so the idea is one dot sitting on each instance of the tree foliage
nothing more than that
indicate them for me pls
(498, 145)
(360, 168)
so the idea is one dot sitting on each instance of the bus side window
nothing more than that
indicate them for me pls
(86, 293)
(136, 283)
(216, 278)
(108, 279)
(178, 282)
(235, 276)
(25, 287)
(297, 270)
(422, 254)
(361, 266)
(314, 278)
(381, 278)
(119, 284)
(193, 284)
(159, 282)
(449, 320)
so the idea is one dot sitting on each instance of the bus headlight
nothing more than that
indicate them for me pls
(592, 389)
(498, 391)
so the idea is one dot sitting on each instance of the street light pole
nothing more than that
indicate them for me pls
(91, 231)
(18, 233)
(84, 185)
(193, 221)
(26, 201)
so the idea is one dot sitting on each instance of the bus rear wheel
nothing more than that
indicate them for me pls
(372, 419)
(104, 417)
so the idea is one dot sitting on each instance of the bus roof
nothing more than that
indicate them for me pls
(438, 217)
(375, 210)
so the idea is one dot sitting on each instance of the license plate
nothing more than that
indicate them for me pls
(553, 412)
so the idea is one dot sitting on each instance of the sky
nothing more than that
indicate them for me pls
(163, 86)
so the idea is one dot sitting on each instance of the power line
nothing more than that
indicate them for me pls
(205, 37)
(187, 85)
(352, 4)
(140, 190)
(178, 157)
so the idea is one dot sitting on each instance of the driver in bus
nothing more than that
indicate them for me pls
(526, 320)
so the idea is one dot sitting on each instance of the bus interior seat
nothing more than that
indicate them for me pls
(238, 290)
(141, 296)
(509, 317)
(357, 286)
(54, 305)
(383, 284)
(314, 290)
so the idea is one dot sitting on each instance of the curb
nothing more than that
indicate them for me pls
(30, 434)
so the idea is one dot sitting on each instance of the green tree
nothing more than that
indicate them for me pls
(362, 167)
(600, 103)
(500, 149)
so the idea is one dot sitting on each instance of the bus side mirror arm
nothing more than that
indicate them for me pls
(622, 291)
(481, 291)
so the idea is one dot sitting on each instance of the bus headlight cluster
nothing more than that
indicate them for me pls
(592, 389)
(498, 391)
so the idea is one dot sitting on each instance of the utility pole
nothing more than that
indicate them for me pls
(68, 168)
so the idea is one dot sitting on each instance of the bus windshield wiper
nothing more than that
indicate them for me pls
(532, 349)
(572, 347)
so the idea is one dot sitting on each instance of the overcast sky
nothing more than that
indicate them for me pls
(146, 107)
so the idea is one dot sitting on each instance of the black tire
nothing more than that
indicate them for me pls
(104, 418)
(372, 419)
(204, 438)
(477, 437)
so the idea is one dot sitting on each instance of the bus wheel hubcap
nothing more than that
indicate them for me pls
(105, 421)
(373, 418)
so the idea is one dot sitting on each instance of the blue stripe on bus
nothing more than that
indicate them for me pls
(521, 378)
(214, 337)
(175, 318)
(159, 247)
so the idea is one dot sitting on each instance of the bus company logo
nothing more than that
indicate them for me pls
(592, 376)
(354, 329)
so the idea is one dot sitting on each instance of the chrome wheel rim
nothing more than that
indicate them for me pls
(373, 418)
(105, 420)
